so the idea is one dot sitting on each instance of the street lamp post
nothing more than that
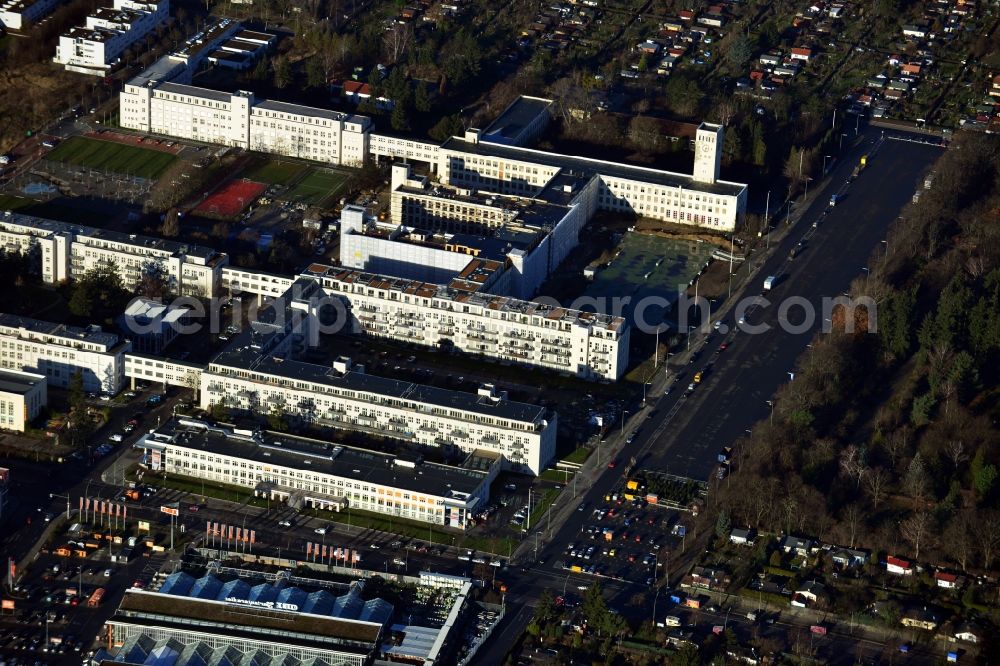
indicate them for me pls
(806, 195)
(825, 158)
(868, 273)
(54, 495)
(770, 403)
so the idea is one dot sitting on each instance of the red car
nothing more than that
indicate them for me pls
(723, 347)
(612, 464)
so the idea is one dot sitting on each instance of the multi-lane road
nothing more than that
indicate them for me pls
(685, 439)
(685, 433)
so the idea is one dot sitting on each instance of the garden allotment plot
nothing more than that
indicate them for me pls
(648, 266)
(111, 156)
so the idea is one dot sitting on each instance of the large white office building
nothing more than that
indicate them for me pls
(64, 251)
(458, 316)
(96, 46)
(241, 120)
(701, 200)
(497, 161)
(58, 352)
(312, 474)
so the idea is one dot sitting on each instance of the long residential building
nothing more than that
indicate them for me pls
(96, 46)
(241, 120)
(320, 475)
(584, 344)
(59, 352)
(345, 397)
(66, 251)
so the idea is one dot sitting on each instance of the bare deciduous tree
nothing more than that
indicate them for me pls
(917, 531)
(956, 453)
(987, 530)
(876, 482)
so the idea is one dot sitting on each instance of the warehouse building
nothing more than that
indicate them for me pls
(209, 621)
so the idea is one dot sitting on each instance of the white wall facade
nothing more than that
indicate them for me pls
(68, 251)
(23, 395)
(383, 145)
(58, 352)
(714, 204)
(108, 33)
(527, 445)
(508, 329)
(242, 121)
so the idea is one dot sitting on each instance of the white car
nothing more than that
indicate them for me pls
(117, 437)
(320, 530)
(285, 523)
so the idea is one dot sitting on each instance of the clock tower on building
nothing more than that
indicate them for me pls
(708, 152)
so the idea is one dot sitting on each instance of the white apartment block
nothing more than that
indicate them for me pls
(58, 352)
(584, 344)
(19, 14)
(95, 47)
(244, 379)
(66, 251)
(241, 120)
(319, 475)
(22, 397)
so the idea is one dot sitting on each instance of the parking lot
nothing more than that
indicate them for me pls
(625, 540)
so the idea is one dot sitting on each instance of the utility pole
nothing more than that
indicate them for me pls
(529, 509)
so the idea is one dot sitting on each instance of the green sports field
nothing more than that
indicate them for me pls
(273, 172)
(318, 188)
(110, 156)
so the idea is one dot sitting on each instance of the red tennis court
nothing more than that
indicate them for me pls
(230, 199)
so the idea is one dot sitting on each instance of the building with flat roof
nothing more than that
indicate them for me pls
(58, 352)
(240, 119)
(65, 251)
(434, 231)
(19, 14)
(257, 373)
(320, 475)
(454, 316)
(23, 395)
(209, 621)
(702, 199)
(521, 123)
(96, 46)
(499, 161)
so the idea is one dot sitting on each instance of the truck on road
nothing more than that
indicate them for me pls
(834, 198)
(769, 282)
